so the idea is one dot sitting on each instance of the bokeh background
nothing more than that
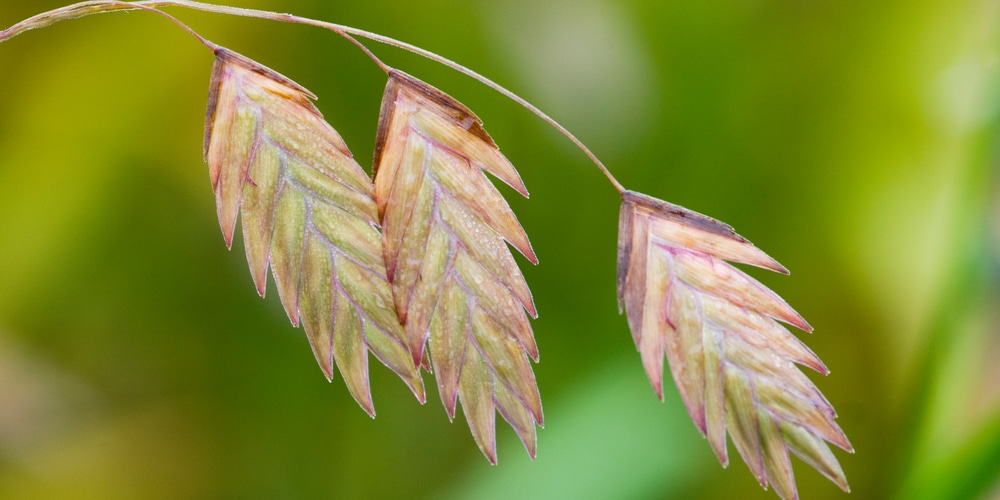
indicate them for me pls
(854, 141)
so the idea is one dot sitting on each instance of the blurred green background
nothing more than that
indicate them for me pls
(854, 141)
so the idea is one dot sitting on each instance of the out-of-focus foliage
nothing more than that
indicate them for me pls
(855, 142)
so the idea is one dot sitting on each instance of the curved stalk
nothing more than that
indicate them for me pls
(99, 6)
(176, 21)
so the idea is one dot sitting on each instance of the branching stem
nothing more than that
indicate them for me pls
(99, 6)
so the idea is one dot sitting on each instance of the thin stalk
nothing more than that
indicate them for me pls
(98, 6)
(176, 21)
(365, 49)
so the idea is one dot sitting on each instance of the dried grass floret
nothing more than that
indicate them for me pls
(733, 363)
(309, 214)
(456, 285)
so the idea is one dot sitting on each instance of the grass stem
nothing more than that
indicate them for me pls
(99, 6)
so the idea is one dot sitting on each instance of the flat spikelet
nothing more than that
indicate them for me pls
(309, 213)
(456, 285)
(734, 365)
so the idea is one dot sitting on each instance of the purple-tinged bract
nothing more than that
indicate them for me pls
(455, 283)
(309, 214)
(733, 363)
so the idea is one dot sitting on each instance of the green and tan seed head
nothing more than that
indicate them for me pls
(309, 214)
(733, 363)
(456, 285)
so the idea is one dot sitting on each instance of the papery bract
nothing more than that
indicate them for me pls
(309, 213)
(733, 363)
(455, 283)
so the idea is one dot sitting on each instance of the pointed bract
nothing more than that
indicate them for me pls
(309, 214)
(733, 363)
(455, 283)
